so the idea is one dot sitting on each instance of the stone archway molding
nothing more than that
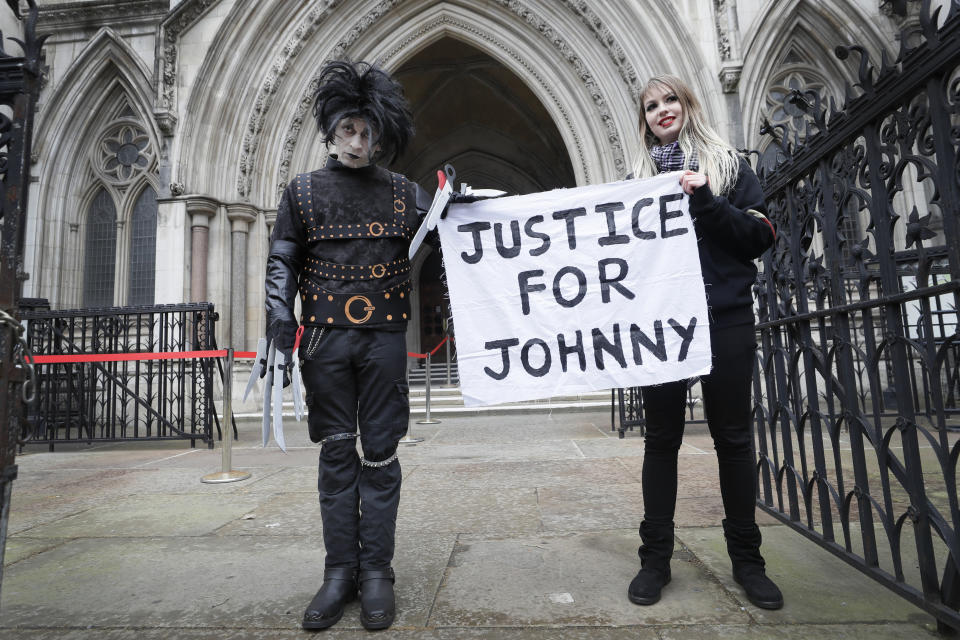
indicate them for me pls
(811, 28)
(586, 168)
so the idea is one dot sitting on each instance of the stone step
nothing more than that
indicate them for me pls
(449, 402)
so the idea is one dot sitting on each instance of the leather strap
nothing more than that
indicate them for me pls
(340, 573)
(376, 574)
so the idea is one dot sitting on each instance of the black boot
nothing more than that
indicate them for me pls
(743, 545)
(326, 608)
(377, 604)
(655, 553)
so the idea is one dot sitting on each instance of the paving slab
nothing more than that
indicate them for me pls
(503, 475)
(460, 453)
(536, 430)
(239, 582)
(581, 507)
(150, 515)
(338, 633)
(875, 631)
(20, 548)
(468, 511)
(510, 527)
(818, 588)
(578, 579)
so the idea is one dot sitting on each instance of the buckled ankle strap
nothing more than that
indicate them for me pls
(340, 573)
(377, 574)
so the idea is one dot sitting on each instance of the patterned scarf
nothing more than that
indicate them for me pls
(669, 157)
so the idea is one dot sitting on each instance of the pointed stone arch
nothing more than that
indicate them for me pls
(271, 106)
(108, 82)
(800, 37)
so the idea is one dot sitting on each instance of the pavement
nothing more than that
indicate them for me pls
(510, 526)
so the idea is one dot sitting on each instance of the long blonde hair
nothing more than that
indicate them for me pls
(717, 158)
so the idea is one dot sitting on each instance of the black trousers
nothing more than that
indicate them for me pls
(726, 399)
(356, 383)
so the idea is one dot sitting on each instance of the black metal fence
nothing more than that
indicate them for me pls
(156, 399)
(856, 397)
(19, 86)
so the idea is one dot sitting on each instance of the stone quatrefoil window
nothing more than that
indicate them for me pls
(780, 110)
(125, 152)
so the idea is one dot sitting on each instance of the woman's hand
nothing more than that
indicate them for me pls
(691, 180)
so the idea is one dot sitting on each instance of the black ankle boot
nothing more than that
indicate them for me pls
(655, 554)
(377, 604)
(326, 608)
(760, 589)
(647, 585)
(743, 545)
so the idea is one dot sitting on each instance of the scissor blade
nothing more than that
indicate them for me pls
(279, 366)
(430, 219)
(259, 364)
(296, 379)
(267, 397)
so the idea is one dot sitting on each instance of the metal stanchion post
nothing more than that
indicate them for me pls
(427, 419)
(226, 474)
(409, 439)
(449, 383)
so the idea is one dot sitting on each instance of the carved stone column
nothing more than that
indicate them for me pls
(200, 210)
(240, 215)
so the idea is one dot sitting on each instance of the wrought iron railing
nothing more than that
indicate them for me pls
(856, 397)
(156, 399)
(20, 78)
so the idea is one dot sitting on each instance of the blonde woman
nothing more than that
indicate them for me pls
(727, 206)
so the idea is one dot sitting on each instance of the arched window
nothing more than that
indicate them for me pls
(100, 258)
(143, 248)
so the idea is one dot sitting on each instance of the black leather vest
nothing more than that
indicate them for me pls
(356, 272)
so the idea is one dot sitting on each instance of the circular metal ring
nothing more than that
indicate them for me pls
(379, 229)
(367, 306)
(378, 270)
(399, 206)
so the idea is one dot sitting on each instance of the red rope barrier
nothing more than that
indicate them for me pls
(413, 354)
(171, 355)
(128, 357)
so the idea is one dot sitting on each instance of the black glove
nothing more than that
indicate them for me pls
(282, 334)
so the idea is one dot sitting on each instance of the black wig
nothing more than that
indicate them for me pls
(362, 90)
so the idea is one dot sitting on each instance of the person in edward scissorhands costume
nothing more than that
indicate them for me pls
(340, 243)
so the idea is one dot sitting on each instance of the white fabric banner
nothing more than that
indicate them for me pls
(575, 290)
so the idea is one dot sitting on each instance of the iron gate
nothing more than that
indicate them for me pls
(155, 399)
(856, 393)
(19, 86)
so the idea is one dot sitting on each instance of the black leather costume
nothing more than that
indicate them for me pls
(340, 243)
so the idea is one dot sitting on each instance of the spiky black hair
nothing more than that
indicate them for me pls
(363, 90)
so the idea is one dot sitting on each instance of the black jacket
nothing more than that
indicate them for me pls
(730, 238)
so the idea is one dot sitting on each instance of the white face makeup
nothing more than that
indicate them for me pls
(663, 113)
(351, 142)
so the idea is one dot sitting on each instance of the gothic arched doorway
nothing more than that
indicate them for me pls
(473, 112)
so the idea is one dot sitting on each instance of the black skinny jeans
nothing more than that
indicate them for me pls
(726, 398)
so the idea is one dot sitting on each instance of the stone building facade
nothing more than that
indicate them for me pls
(167, 128)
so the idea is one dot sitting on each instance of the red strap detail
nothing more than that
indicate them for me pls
(296, 343)
(770, 224)
(441, 179)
